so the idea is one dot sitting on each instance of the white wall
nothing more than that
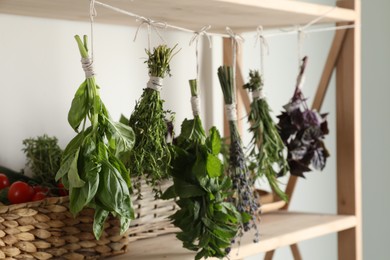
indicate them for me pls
(40, 71)
(376, 128)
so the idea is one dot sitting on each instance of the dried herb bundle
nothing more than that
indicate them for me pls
(90, 167)
(151, 156)
(43, 157)
(303, 131)
(208, 223)
(243, 196)
(266, 147)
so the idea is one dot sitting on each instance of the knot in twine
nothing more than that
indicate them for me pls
(150, 24)
(234, 36)
(195, 104)
(231, 112)
(258, 94)
(204, 32)
(155, 83)
(87, 64)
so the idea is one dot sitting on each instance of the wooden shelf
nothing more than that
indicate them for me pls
(277, 229)
(241, 16)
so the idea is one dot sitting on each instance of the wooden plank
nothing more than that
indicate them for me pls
(277, 229)
(328, 69)
(244, 15)
(348, 106)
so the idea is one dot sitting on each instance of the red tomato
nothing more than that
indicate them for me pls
(39, 196)
(61, 190)
(38, 188)
(20, 192)
(4, 182)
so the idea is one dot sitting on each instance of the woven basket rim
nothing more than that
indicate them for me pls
(40, 203)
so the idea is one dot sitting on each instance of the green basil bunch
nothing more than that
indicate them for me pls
(91, 168)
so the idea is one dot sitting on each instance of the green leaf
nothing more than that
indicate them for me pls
(73, 174)
(169, 193)
(125, 224)
(79, 108)
(213, 165)
(213, 141)
(98, 223)
(80, 197)
(123, 135)
(187, 190)
(113, 192)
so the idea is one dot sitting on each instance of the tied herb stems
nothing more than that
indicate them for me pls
(152, 153)
(243, 197)
(207, 221)
(266, 146)
(90, 166)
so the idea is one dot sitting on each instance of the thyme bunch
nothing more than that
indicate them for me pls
(266, 146)
(151, 156)
(43, 157)
(243, 197)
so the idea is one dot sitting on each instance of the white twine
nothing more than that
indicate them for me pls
(231, 112)
(139, 17)
(195, 39)
(92, 15)
(301, 37)
(258, 94)
(150, 25)
(264, 47)
(87, 64)
(195, 104)
(155, 83)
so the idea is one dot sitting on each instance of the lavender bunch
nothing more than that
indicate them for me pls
(242, 195)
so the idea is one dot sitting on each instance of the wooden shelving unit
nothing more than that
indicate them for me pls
(279, 228)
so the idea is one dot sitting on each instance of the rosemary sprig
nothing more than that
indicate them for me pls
(266, 146)
(243, 197)
(151, 156)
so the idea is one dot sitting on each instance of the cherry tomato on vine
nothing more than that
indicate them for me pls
(39, 196)
(4, 182)
(20, 192)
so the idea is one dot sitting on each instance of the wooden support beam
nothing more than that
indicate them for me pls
(323, 85)
(243, 101)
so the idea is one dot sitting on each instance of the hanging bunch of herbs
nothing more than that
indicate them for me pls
(90, 166)
(207, 221)
(266, 147)
(243, 197)
(151, 155)
(43, 158)
(303, 130)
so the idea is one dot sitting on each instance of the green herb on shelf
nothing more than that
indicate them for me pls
(207, 221)
(303, 131)
(43, 158)
(266, 147)
(151, 156)
(243, 197)
(90, 166)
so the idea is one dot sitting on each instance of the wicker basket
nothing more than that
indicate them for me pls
(151, 215)
(46, 229)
